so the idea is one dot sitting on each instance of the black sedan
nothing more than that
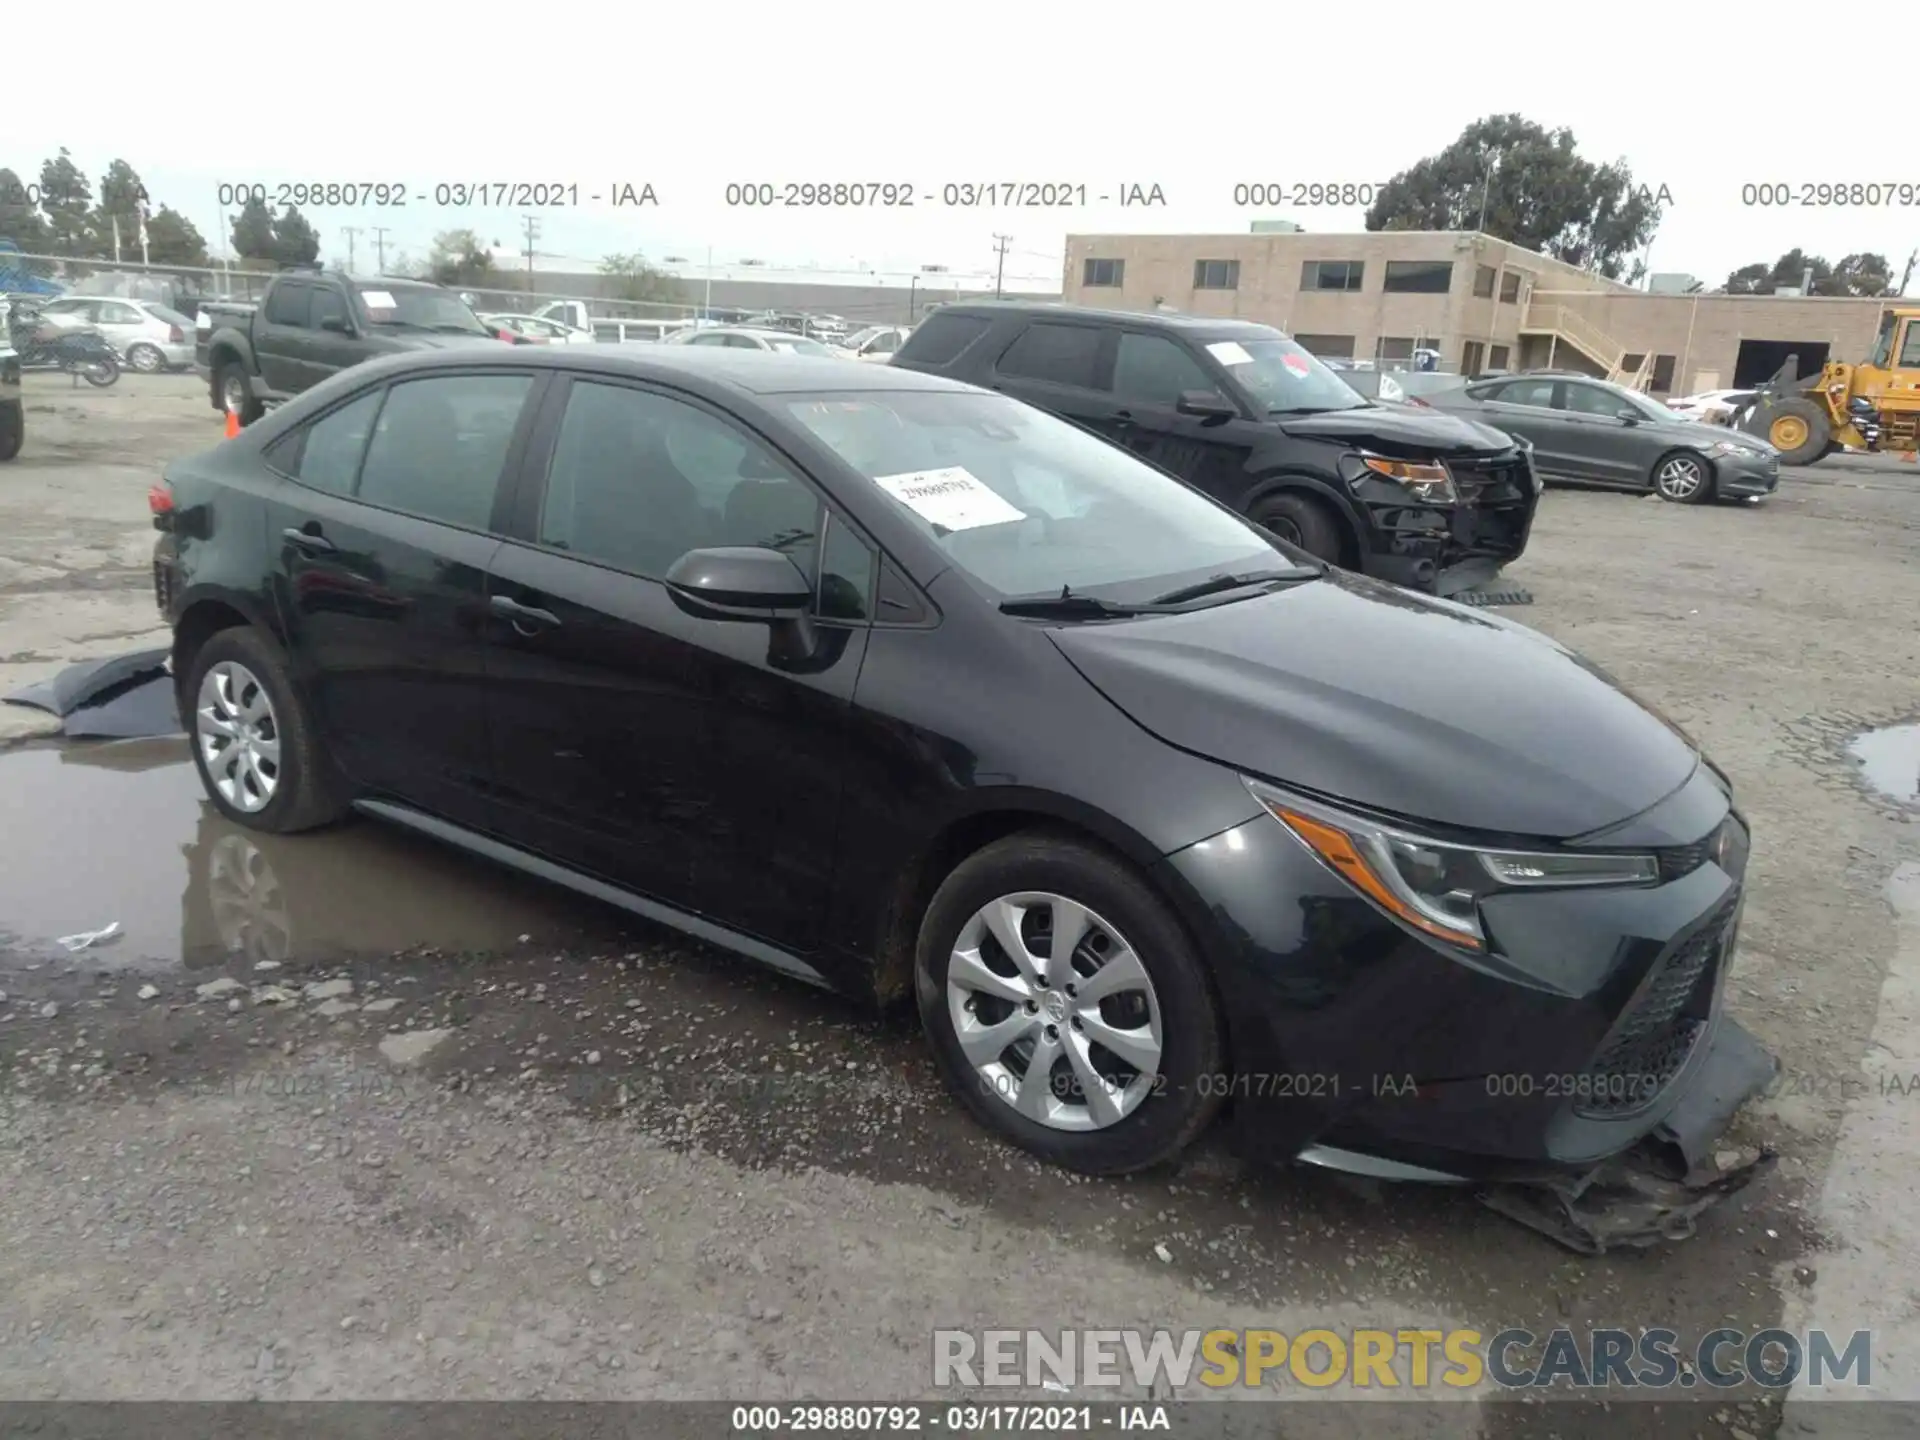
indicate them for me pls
(1591, 432)
(910, 689)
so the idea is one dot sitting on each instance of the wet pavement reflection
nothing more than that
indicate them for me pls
(120, 832)
(1890, 760)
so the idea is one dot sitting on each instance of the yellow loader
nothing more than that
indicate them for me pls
(1871, 406)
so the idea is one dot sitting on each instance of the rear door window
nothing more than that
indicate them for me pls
(941, 338)
(440, 444)
(1058, 354)
(326, 454)
(1537, 394)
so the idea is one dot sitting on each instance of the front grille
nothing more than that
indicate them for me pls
(1726, 843)
(1654, 1039)
(1494, 481)
(163, 586)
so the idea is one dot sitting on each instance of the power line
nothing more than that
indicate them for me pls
(352, 232)
(1000, 244)
(380, 247)
(532, 223)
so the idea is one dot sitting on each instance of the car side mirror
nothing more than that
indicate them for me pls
(337, 325)
(1205, 405)
(739, 582)
(1632, 417)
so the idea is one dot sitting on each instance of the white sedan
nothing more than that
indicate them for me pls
(740, 337)
(1709, 403)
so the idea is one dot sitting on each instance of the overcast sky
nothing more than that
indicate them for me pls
(598, 96)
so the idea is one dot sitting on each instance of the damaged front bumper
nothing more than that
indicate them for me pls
(1446, 546)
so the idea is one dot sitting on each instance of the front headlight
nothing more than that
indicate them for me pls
(1427, 479)
(1433, 885)
(1728, 447)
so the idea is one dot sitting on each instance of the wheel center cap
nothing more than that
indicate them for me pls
(1056, 1006)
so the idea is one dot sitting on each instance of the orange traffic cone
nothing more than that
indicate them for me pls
(233, 423)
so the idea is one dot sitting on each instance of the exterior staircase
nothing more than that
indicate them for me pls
(1566, 326)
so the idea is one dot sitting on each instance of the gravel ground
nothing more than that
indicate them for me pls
(517, 1145)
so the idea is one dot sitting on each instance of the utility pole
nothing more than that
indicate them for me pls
(380, 247)
(1000, 244)
(352, 232)
(532, 223)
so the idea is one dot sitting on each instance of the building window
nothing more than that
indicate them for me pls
(1499, 357)
(1394, 347)
(1470, 356)
(1216, 274)
(1484, 277)
(1327, 347)
(1419, 277)
(1630, 364)
(1103, 274)
(1662, 374)
(1332, 274)
(1509, 287)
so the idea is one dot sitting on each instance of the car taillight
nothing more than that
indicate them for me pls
(1416, 400)
(175, 335)
(160, 503)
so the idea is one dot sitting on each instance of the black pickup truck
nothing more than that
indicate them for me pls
(311, 324)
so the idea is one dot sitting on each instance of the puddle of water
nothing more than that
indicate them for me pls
(1890, 760)
(122, 832)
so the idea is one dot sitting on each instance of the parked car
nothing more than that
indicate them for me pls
(1400, 387)
(877, 343)
(911, 689)
(311, 324)
(1257, 422)
(13, 410)
(537, 329)
(1587, 431)
(739, 337)
(631, 332)
(149, 336)
(1714, 406)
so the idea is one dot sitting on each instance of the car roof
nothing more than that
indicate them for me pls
(761, 331)
(751, 372)
(1060, 310)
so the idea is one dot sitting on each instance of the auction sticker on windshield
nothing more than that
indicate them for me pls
(952, 498)
(1228, 352)
(379, 300)
(1297, 364)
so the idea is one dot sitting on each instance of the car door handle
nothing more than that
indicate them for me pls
(311, 541)
(1123, 417)
(526, 618)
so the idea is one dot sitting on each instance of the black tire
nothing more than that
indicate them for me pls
(307, 792)
(147, 359)
(235, 393)
(1180, 1102)
(1683, 477)
(13, 431)
(101, 373)
(1819, 427)
(1303, 521)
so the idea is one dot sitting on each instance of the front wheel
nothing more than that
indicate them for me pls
(13, 430)
(100, 373)
(1303, 522)
(1683, 478)
(1066, 1007)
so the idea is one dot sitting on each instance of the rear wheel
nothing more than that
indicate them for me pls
(1302, 521)
(1066, 1007)
(236, 393)
(256, 748)
(1798, 428)
(13, 430)
(146, 359)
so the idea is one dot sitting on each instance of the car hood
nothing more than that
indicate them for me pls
(1400, 430)
(417, 340)
(1393, 701)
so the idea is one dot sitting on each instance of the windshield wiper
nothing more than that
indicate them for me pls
(1068, 606)
(403, 324)
(1313, 409)
(1220, 584)
(454, 327)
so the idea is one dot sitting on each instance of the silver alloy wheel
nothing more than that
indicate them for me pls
(145, 359)
(239, 736)
(233, 393)
(1054, 1011)
(1681, 477)
(250, 911)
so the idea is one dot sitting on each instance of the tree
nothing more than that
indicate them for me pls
(253, 231)
(66, 199)
(20, 221)
(1535, 190)
(1861, 273)
(404, 267)
(173, 240)
(121, 196)
(294, 240)
(458, 258)
(634, 279)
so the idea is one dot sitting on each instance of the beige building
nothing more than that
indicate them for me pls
(1480, 302)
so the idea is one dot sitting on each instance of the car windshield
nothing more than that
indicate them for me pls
(1028, 504)
(1282, 377)
(420, 310)
(794, 345)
